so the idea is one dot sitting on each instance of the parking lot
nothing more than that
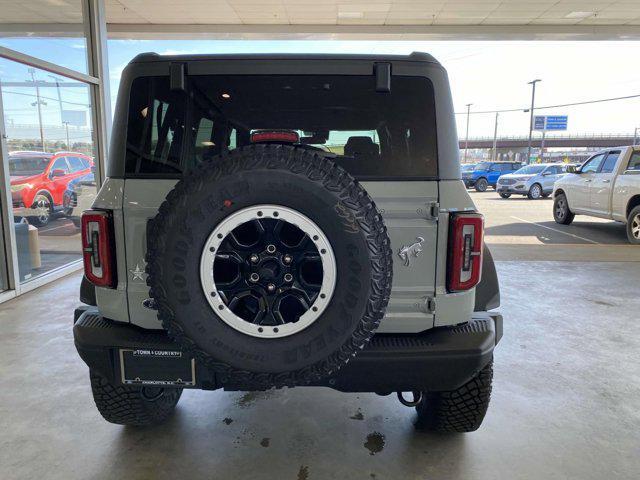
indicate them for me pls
(521, 229)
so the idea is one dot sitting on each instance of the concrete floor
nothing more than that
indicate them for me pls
(566, 401)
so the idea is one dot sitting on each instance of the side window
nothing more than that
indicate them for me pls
(86, 163)
(76, 164)
(60, 164)
(634, 162)
(610, 162)
(593, 164)
(494, 168)
(553, 170)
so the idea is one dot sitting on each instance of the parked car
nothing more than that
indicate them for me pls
(39, 179)
(271, 263)
(486, 174)
(534, 181)
(607, 185)
(79, 196)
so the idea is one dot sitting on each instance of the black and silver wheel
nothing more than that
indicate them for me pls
(481, 185)
(535, 192)
(270, 265)
(561, 212)
(133, 405)
(633, 226)
(268, 271)
(42, 209)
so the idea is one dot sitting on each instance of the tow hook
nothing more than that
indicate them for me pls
(417, 398)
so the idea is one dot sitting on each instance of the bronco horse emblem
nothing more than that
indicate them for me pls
(413, 250)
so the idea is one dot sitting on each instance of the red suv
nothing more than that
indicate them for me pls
(39, 179)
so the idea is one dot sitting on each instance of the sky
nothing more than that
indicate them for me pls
(489, 75)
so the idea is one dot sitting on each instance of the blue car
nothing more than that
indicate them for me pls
(486, 174)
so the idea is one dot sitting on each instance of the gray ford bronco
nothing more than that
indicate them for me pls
(275, 221)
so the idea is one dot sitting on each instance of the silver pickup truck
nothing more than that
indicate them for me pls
(607, 185)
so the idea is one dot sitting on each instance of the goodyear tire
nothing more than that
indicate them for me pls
(227, 281)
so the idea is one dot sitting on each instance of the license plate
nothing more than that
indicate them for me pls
(147, 366)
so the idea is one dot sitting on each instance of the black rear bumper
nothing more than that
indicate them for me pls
(440, 359)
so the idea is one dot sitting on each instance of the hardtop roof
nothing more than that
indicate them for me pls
(412, 57)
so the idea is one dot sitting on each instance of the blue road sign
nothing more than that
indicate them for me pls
(557, 122)
(550, 122)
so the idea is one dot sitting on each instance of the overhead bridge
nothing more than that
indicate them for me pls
(592, 141)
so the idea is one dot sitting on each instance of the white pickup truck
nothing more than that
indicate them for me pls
(607, 185)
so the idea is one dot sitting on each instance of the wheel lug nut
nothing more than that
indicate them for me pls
(271, 248)
(288, 277)
(287, 259)
(254, 277)
(254, 258)
(271, 288)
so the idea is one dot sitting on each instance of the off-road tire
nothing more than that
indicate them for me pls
(481, 185)
(135, 406)
(251, 362)
(460, 410)
(505, 195)
(562, 218)
(632, 224)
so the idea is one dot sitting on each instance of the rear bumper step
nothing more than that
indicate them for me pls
(440, 359)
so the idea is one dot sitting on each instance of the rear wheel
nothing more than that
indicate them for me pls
(137, 406)
(481, 185)
(43, 210)
(505, 195)
(561, 212)
(460, 410)
(535, 192)
(633, 226)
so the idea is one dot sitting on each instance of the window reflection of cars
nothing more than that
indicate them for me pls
(39, 180)
(79, 196)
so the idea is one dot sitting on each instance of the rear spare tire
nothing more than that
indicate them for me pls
(271, 265)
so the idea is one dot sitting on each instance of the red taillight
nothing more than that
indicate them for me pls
(97, 248)
(465, 251)
(288, 136)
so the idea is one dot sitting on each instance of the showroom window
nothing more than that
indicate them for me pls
(52, 156)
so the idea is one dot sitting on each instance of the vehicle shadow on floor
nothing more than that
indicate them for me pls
(549, 232)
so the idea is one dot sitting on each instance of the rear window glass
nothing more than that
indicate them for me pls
(371, 134)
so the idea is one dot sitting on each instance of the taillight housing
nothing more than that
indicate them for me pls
(97, 248)
(465, 251)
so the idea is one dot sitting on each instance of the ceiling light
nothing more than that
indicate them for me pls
(226, 96)
(579, 14)
(350, 14)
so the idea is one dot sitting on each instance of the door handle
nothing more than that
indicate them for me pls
(606, 181)
(587, 180)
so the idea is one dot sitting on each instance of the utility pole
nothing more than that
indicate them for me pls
(533, 100)
(466, 138)
(66, 126)
(495, 140)
(32, 71)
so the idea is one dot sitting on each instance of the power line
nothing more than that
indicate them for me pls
(46, 98)
(553, 106)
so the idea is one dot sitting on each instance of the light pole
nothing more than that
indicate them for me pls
(38, 102)
(466, 137)
(495, 139)
(635, 135)
(533, 99)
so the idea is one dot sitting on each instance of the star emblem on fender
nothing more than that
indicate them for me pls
(138, 272)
